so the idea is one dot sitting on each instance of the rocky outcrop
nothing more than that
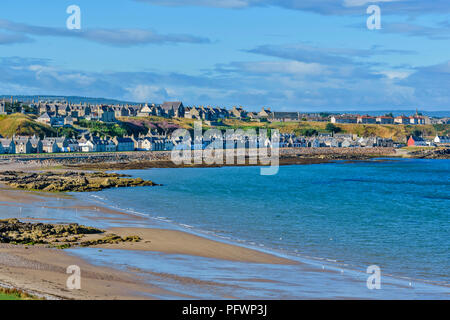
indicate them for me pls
(431, 154)
(16, 232)
(60, 236)
(110, 239)
(69, 181)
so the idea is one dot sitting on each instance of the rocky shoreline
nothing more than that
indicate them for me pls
(69, 181)
(289, 156)
(13, 231)
(162, 159)
(431, 154)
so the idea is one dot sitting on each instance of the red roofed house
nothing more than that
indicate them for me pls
(416, 142)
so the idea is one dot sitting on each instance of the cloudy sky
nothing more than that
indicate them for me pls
(305, 55)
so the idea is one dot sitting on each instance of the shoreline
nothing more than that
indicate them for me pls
(162, 159)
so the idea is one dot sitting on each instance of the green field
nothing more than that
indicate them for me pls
(4, 296)
(13, 294)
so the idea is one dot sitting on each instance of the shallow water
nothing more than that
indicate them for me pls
(204, 278)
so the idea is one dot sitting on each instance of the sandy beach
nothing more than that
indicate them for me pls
(177, 242)
(42, 271)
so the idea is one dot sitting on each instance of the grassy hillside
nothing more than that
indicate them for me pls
(24, 125)
(395, 132)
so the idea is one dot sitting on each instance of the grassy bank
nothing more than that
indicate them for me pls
(14, 294)
(4, 296)
(20, 124)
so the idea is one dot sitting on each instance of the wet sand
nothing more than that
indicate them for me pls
(178, 242)
(42, 271)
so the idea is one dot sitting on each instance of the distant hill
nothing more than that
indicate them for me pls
(20, 124)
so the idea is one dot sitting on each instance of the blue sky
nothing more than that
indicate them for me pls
(305, 55)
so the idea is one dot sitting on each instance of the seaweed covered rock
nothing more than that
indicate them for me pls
(16, 232)
(110, 239)
(60, 236)
(69, 181)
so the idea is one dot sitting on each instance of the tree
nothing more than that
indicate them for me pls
(332, 128)
(67, 132)
(309, 132)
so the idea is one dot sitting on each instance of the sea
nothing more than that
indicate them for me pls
(340, 217)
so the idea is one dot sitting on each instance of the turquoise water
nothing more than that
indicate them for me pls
(394, 214)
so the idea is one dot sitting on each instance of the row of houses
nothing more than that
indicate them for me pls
(333, 141)
(87, 143)
(90, 143)
(59, 114)
(414, 141)
(412, 120)
(288, 141)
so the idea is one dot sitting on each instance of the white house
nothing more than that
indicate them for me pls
(442, 139)
(87, 146)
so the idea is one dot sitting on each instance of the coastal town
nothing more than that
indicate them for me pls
(74, 125)
(224, 159)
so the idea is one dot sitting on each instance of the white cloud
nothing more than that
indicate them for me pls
(327, 7)
(359, 3)
(283, 86)
(144, 92)
(114, 37)
(233, 4)
(287, 67)
(392, 74)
